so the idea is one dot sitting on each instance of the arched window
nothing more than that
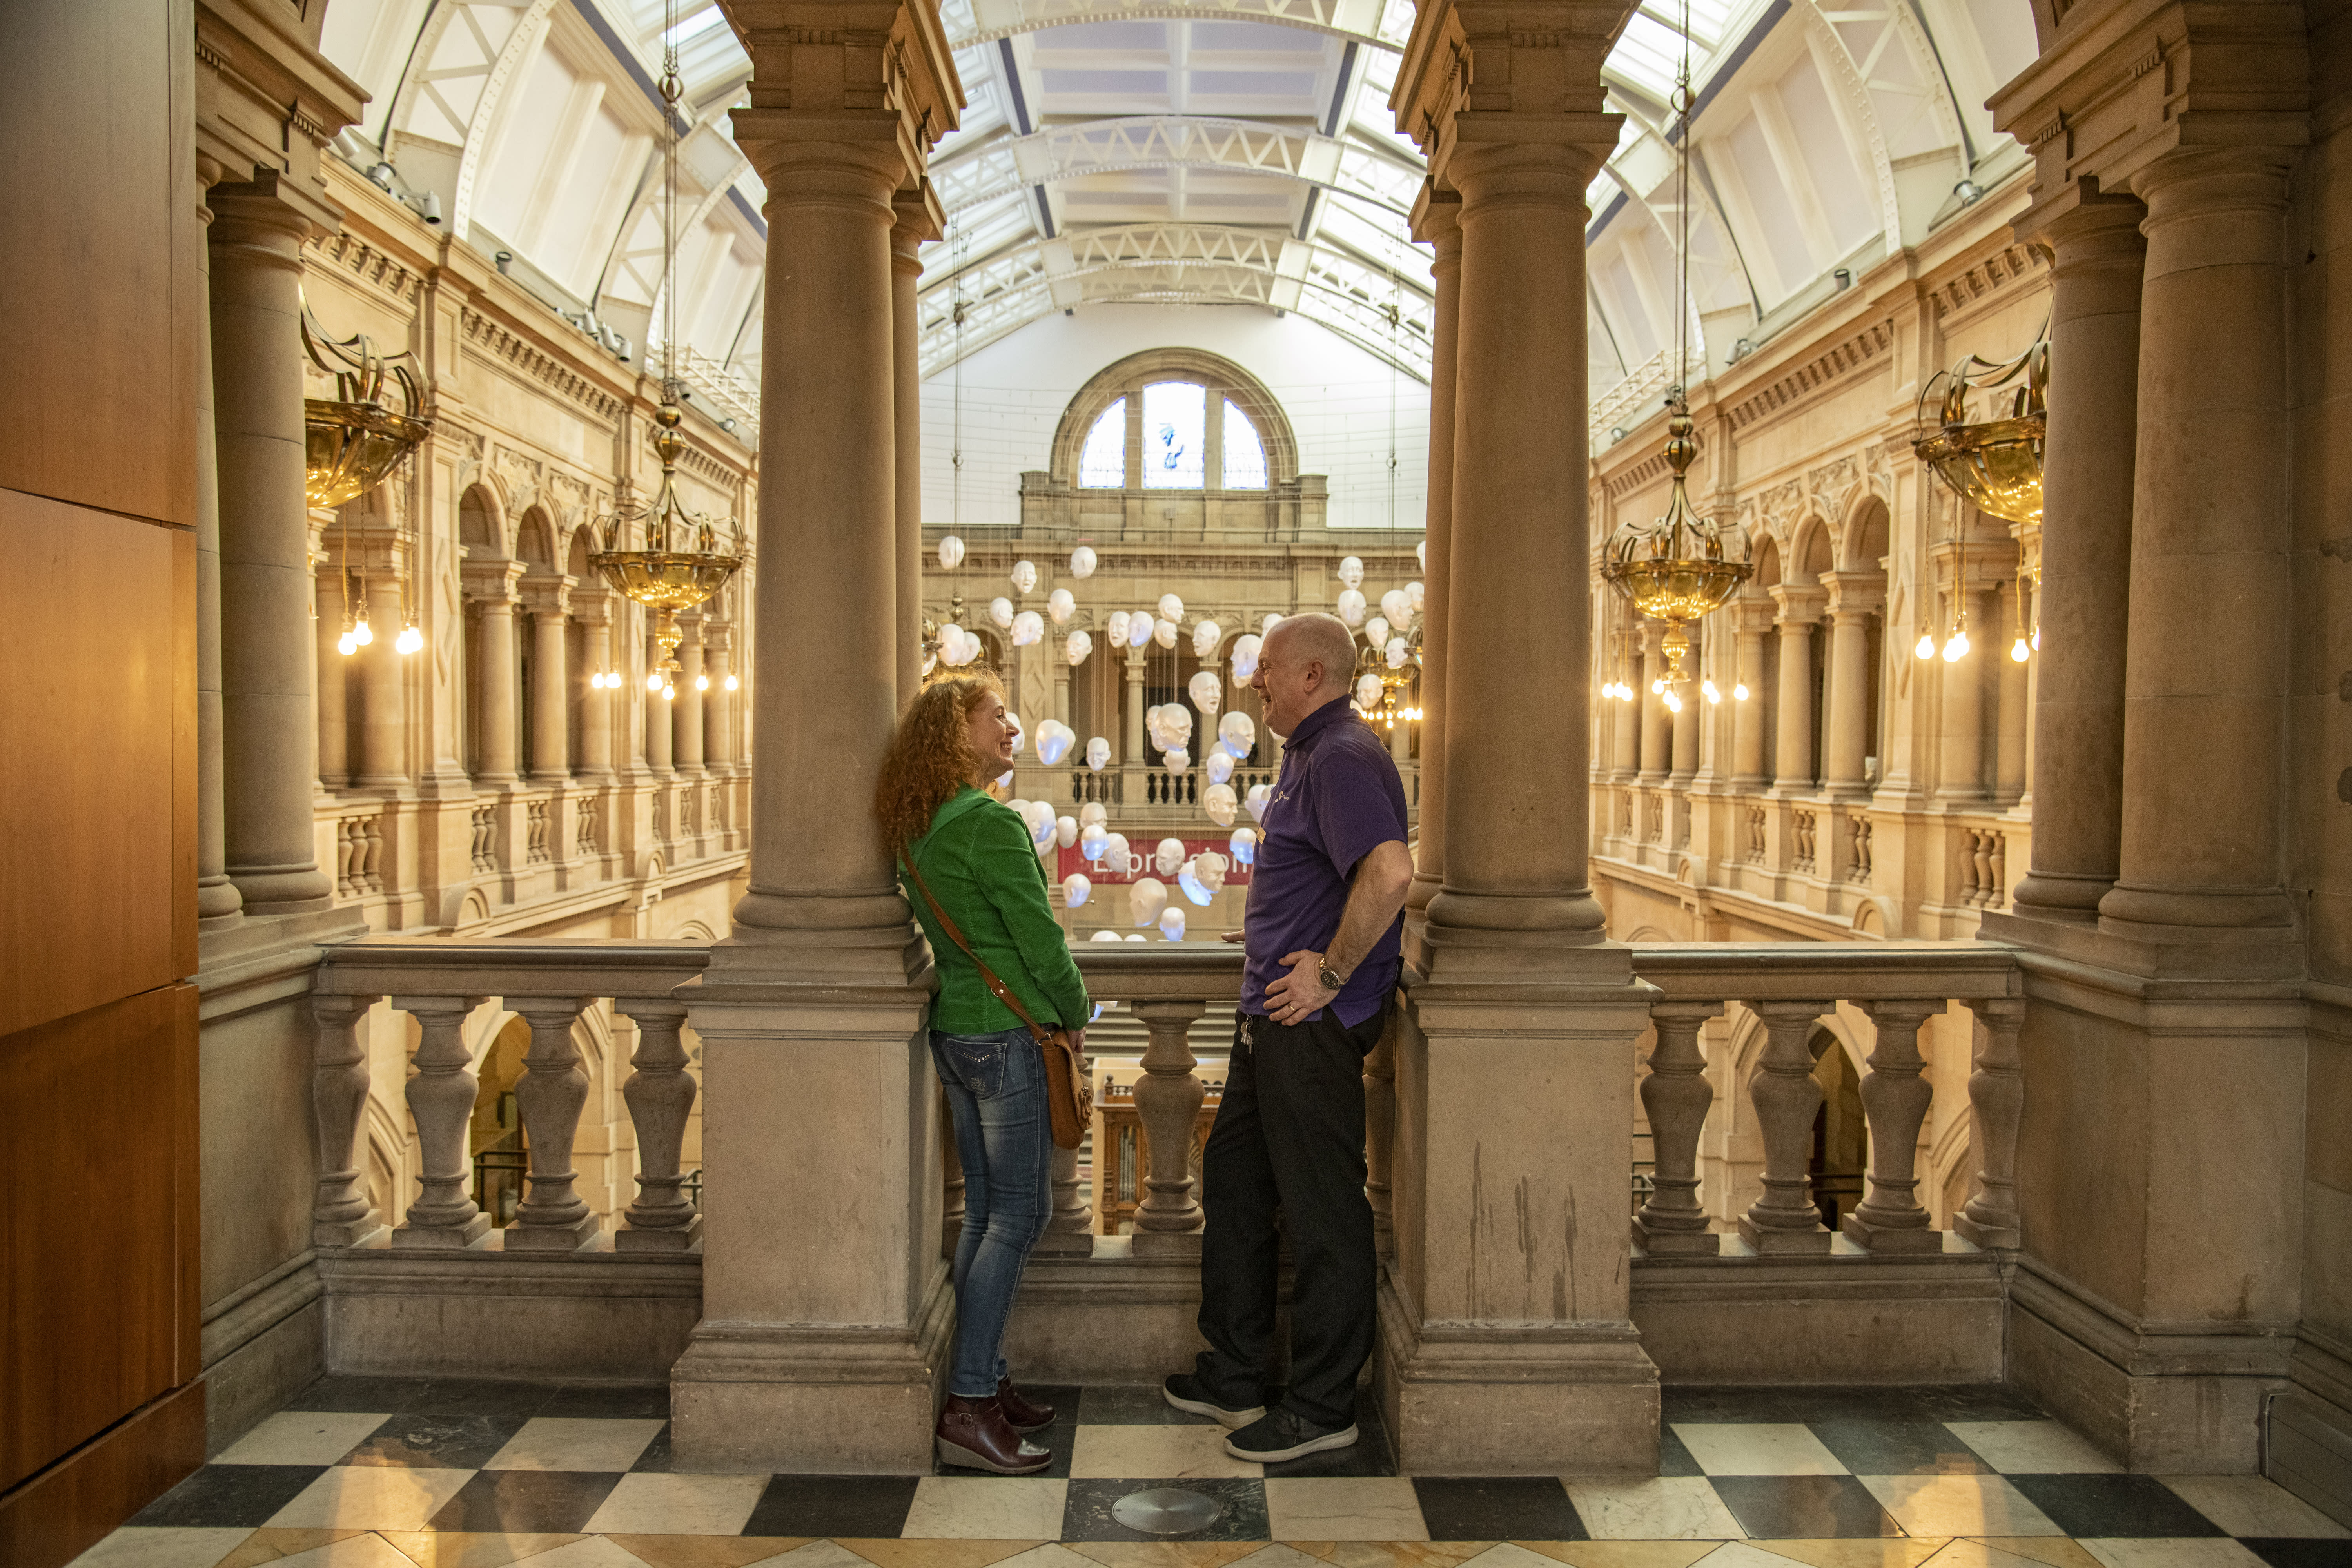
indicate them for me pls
(1192, 427)
(1103, 464)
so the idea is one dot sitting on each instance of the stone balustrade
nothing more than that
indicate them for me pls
(440, 983)
(533, 849)
(1150, 788)
(1789, 986)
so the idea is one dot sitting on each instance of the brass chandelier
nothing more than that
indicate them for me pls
(350, 443)
(1683, 566)
(1995, 465)
(677, 563)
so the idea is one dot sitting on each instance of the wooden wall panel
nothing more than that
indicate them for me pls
(97, 800)
(92, 98)
(55, 1518)
(97, 1173)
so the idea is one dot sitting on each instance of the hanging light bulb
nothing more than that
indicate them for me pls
(1658, 686)
(1674, 704)
(2019, 651)
(1709, 688)
(2036, 639)
(669, 692)
(1926, 647)
(1958, 648)
(1740, 692)
(410, 639)
(654, 682)
(362, 633)
(348, 644)
(702, 683)
(732, 683)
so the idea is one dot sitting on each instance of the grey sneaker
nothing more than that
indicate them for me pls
(1183, 1392)
(1286, 1435)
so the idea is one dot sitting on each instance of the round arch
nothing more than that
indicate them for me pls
(1126, 377)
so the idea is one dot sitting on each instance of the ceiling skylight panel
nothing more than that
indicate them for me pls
(1648, 53)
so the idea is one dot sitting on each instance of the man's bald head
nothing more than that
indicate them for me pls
(1308, 661)
(1318, 636)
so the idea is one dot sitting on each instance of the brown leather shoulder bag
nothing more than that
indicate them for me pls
(1069, 1087)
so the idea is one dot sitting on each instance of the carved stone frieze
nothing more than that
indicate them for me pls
(1833, 366)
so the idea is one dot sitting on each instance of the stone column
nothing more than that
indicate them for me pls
(2010, 718)
(718, 740)
(1061, 680)
(491, 585)
(1513, 1048)
(269, 715)
(1655, 720)
(1436, 221)
(2211, 529)
(332, 683)
(1751, 618)
(549, 602)
(595, 612)
(1131, 749)
(1960, 756)
(1684, 726)
(1851, 605)
(1625, 737)
(661, 722)
(917, 220)
(689, 704)
(2087, 485)
(1793, 718)
(825, 1322)
(218, 904)
(384, 692)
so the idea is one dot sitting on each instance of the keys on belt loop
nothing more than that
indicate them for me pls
(1247, 1023)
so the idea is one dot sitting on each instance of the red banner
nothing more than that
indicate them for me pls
(1139, 853)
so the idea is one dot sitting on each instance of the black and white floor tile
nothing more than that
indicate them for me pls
(400, 1473)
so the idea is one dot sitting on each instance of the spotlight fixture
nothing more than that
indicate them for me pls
(1968, 192)
(380, 173)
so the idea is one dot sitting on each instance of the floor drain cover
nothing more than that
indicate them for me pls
(1166, 1510)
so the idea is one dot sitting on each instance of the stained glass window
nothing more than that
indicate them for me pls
(1102, 463)
(1175, 436)
(1245, 453)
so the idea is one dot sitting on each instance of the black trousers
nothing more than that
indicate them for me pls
(1289, 1134)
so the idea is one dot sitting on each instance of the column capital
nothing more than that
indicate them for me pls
(1798, 606)
(547, 596)
(916, 216)
(593, 604)
(2118, 88)
(1752, 612)
(491, 582)
(1499, 71)
(1853, 595)
(845, 85)
(270, 215)
(1437, 220)
(2201, 184)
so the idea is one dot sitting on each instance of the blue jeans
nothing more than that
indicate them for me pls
(1004, 1137)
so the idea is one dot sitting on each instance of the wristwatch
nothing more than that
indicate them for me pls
(1331, 980)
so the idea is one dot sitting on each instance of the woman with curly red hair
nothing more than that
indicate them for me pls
(954, 843)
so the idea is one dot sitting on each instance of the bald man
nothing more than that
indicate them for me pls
(1322, 933)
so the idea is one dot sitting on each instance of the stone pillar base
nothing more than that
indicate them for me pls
(1766, 1243)
(1495, 1401)
(814, 1400)
(1891, 1238)
(579, 1235)
(2164, 1399)
(1676, 1243)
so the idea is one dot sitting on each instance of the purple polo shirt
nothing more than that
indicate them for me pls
(1338, 798)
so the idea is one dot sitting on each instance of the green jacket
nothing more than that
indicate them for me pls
(979, 863)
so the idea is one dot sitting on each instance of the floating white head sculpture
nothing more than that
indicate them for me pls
(1024, 575)
(1061, 605)
(1168, 857)
(951, 553)
(1145, 899)
(1219, 801)
(1074, 889)
(1097, 754)
(1082, 563)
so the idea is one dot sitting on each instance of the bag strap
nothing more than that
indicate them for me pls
(1004, 992)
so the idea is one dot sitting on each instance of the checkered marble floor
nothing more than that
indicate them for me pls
(407, 1473)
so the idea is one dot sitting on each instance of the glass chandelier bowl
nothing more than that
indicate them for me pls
(1396, 679)
(352, 440)
(1995, 465)
(1683, 566)
(676, 564)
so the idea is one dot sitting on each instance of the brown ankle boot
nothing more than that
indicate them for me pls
(974, 1433)
(1026, 1414)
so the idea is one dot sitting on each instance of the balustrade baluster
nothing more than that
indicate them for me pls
(1996, 1098)
(343, 852)
(1896, 1098)
(1983, 859)
(550, 1095)
(1676, 1096)
(1168, 1101)
(441, 1098)
(342, 1215)
(1380, 1135)
(660, 1094)
(373, 847)
(1785, 1096)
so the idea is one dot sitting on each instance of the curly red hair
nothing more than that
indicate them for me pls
(929, 758)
